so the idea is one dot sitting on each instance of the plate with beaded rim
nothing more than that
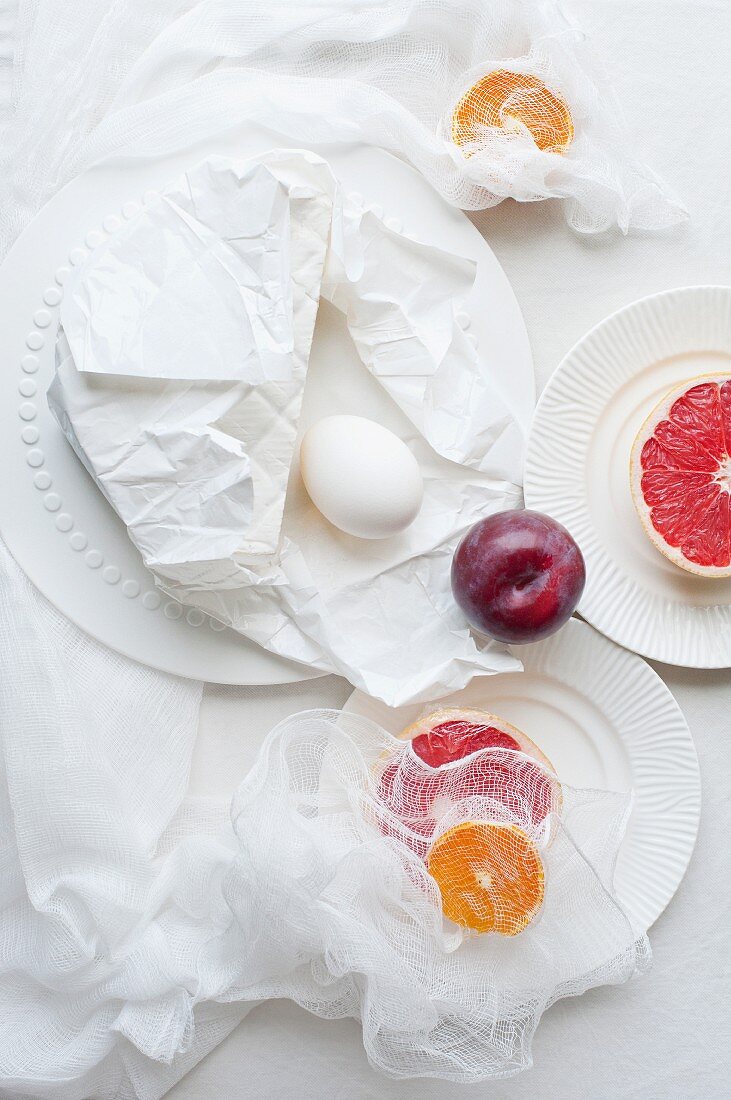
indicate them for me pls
(57, 524)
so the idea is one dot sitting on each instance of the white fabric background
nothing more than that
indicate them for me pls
(666, 1035)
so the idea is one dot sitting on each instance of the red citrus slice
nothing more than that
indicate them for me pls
(521, 779)
(680, 473)
(452, 733)
(505, 99)
(490, 876)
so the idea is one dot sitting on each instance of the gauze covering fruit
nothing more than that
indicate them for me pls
(444, 907)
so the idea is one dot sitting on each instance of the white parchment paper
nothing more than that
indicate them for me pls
(181, 369)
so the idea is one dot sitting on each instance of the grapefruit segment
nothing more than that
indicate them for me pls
(490, 876)
(698, 411)
(725, 403)
(457, 738)
(713, 532)
(686, 450)
(680, 473)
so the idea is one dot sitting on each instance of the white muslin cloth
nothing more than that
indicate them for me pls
(95, 758)
(133, 77)
(109, 876)
(137, 927)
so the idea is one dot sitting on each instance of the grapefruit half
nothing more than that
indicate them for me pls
(680, 473)
(452, 733)
(450, 742)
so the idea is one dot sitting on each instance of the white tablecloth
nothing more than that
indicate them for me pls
(666, 1035)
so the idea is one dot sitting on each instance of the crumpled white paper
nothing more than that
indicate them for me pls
(182, 365)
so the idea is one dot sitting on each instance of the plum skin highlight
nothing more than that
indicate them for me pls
(518, 576)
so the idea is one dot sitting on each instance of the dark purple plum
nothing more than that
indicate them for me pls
(518, 576)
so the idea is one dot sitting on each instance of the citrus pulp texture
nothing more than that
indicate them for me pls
(490, 876)
(680, 472)
(452, 733)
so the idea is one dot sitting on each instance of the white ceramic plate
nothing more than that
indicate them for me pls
(577, 470)
(607, 721)
(55, 522)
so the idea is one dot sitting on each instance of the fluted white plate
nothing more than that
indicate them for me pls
(606, 721)
(577, 470)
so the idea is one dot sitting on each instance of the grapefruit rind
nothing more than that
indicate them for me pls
(490, 877)
(659, 413)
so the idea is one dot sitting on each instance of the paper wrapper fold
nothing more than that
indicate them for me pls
(182, 362)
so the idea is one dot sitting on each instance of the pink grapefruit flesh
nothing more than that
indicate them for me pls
(455, 739)
(522, 779)
(680, 471)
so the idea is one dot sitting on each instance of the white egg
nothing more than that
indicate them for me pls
(361, 476)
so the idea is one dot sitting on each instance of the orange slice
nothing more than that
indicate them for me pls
(490, 876)
(680, 472)
(505, 99)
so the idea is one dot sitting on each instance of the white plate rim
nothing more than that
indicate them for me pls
(675, 633)
(666, 807)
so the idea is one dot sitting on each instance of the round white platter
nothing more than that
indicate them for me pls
(606, 721)
(577, 470)
(55, 522)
